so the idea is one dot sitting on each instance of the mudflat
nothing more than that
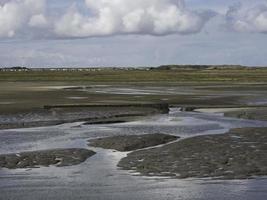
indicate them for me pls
(45, 98)
(132, 142)
(76, 113)
(238, 154)
(56, 157)
(252, 114)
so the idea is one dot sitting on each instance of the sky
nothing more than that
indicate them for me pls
(125, 33)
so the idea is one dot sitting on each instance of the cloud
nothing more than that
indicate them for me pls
(28, 18)
(38, 21)
(19, 14)
(253, 19)
(111, 17)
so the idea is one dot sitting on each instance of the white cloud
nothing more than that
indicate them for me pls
(253, 19)
(109, 17)
(17, 14)
(38, 21)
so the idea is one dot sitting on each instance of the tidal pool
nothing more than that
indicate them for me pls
(99, 178)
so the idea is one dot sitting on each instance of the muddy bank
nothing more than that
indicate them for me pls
(241, 112)
(250, 113)
(69, 114)
(57, 157)
(117, 118)
(163, 107)
(132, 142)
(239, 154)
(245, 112)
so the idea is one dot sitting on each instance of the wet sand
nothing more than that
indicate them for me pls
(60, 114)
(132, 142)
(251, 113)
(99, 178)
(56, 157)
(238, 154)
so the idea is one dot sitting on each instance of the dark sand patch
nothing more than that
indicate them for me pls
(111, 121)
(251, 114)
(56, 157)
(77, 113)
(239, 154)
(132, 142)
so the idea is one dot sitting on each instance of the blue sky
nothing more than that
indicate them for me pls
(67, 33)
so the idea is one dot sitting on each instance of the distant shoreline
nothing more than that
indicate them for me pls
(161, 67)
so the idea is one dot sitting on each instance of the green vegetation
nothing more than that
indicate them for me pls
(139, 76)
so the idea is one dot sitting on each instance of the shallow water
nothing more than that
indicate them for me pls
(134, 90)
(99, 178)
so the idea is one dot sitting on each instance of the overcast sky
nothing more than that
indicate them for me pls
(82, 33)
